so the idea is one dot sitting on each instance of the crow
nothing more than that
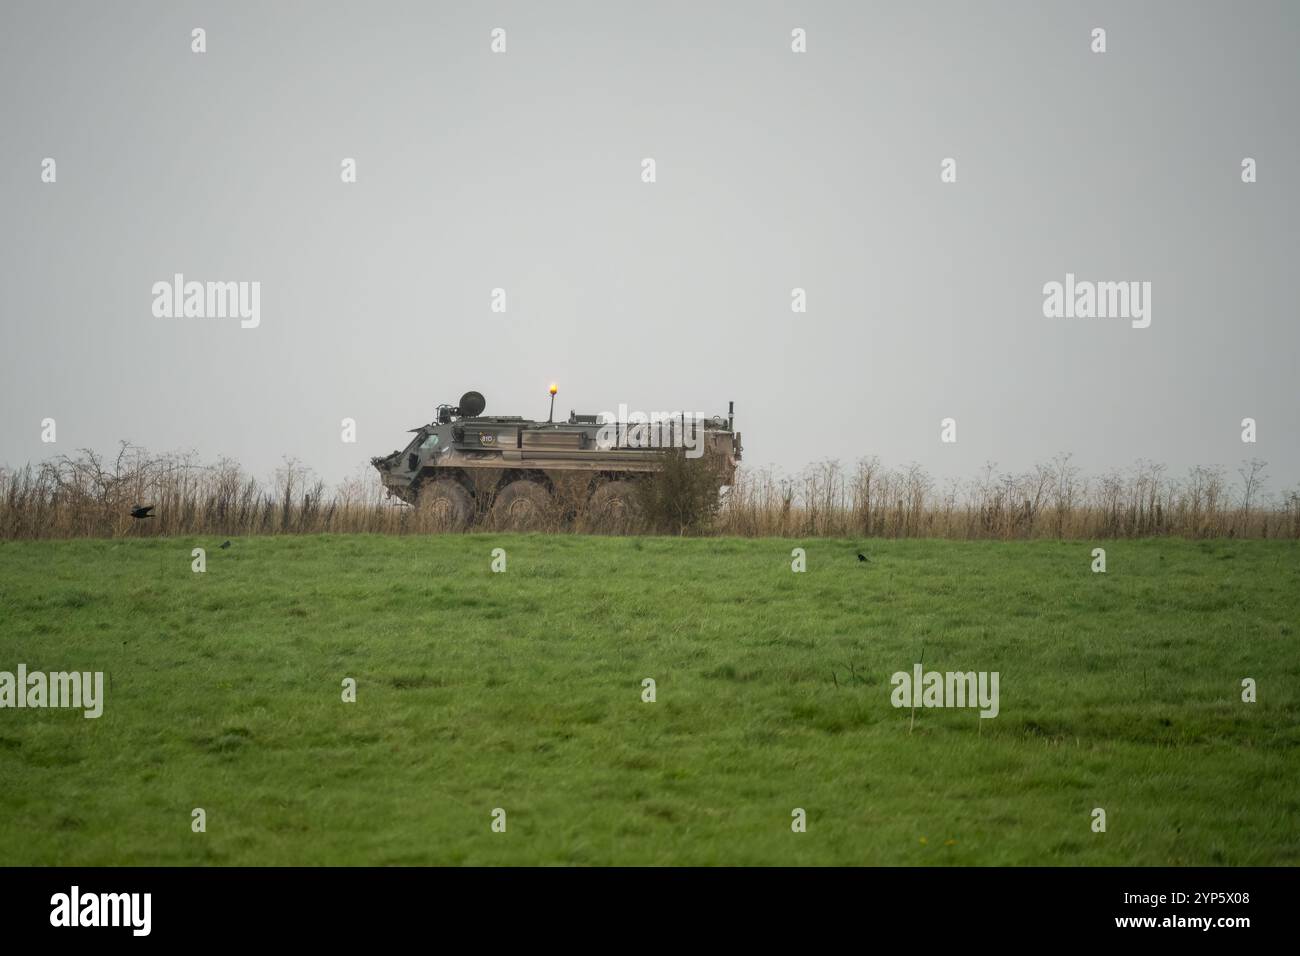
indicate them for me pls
(142, 511)
(862, 557)
(225, 545)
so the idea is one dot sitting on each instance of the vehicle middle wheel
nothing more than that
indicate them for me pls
(522, 505)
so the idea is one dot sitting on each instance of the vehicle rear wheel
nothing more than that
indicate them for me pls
(445, 505)
(521, 506)
(615, 507)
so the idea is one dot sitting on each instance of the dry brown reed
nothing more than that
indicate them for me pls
(90, 495)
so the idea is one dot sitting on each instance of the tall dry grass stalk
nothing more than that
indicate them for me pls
(1051, 501)
(89, 495)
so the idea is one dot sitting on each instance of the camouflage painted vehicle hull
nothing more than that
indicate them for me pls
(518, 473)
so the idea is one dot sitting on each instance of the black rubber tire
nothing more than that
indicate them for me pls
(445, 505)
(615, 507)
(522, 505)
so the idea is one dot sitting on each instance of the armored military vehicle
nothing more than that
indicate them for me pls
(466, 466)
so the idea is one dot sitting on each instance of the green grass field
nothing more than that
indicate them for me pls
(522, 691)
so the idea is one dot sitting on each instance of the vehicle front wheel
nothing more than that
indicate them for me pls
(444, 505)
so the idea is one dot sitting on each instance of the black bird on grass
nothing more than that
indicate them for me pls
(142, 511)
(224, 545)
(862, 557)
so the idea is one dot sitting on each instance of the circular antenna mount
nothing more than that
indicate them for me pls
(472, 404)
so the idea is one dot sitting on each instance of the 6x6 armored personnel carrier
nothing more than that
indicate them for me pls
(466, 466)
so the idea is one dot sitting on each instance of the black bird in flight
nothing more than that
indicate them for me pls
(142, 511)
(225, 545)
(862, 557)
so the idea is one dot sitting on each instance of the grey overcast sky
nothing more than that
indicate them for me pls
(522, 170)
